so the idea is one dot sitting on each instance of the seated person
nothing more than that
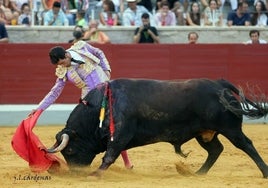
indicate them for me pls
(193, 17)
(212, 15)
(259, 16)
(55, 16)
(165, 17)
(25, 18)
(5, 14)
(132, 15)
(80, 18)
(94, 35)
(108, 16)
(146, 33)
(239, 17)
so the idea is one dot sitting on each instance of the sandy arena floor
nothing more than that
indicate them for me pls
(154, 166)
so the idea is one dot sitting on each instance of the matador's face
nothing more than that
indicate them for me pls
(66, 62)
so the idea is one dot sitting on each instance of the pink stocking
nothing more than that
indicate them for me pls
(126, 159)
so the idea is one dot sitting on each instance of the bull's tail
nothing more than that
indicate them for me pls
(251, 109)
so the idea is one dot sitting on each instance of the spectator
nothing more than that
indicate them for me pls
(192, 37)
(80, 18)
(239, 17)
(108, 16)
(55, 16)
(132, 15)
(193, 17)
(179, 10)
(78, 34)
(259, 15)
(165, 17)
(25, 18)
(5, 14)
(255, 38)
(212, 15)
(176, 6)
(146, 33)
(94, 35)
(3, 34)
(11, 7)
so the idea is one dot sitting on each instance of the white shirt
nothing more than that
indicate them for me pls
(262, 20)
(260, 40)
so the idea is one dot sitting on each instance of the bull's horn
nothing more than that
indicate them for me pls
(52, 148)
(63, 144)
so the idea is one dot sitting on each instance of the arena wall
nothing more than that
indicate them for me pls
(26, 74)
(124, 35)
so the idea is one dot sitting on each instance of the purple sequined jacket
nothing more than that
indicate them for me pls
(86, 76)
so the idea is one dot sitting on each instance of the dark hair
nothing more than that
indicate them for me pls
(195, 17)
(164, 4)
(213, 0)
(145, 15)
(56, 53)
(254, 18)
(56, 4)
(110, 5)
(194, 33)
(240, 3)
(82, 13)
(24, 5)
(254, 31)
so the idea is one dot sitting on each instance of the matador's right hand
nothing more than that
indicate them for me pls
(32, 112)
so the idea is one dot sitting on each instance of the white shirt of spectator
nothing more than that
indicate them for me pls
(262, 20)
(261, 41)
(131, 18)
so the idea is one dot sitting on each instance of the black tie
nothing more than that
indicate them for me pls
(77, 61)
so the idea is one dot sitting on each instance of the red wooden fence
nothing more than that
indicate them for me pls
(26, 74)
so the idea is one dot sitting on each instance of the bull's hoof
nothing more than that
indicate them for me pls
(265, 176)
(200, 172)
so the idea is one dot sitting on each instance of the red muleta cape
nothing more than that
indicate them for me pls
(28, 146)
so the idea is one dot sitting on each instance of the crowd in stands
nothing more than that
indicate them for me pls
(145, 15)
(128, 12)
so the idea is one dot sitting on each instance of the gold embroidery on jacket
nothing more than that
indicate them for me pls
(76, 78)
(88, 67)
(78, 47)
(61, 72)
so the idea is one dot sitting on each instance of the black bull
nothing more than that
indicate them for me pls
(151, 111)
